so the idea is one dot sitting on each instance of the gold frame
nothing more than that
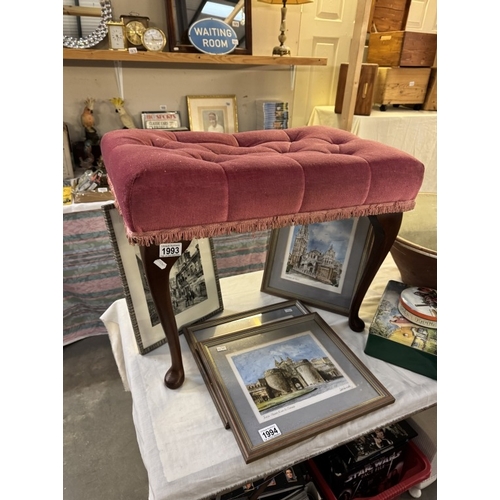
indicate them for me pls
(125, 40)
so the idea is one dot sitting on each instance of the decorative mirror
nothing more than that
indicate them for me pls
(84, 22)
(181, 14)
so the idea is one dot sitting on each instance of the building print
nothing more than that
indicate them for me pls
(290, 376)
(187, 285)
(313, 263)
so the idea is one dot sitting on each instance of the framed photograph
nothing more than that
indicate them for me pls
(194, 284)
(287, 381)
(212, 113)
(319, 264)
(236, 323)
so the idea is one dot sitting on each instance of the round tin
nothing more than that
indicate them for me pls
(419, 305)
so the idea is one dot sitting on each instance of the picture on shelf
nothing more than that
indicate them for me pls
(215, 113)
(194, 284)
(319, 263)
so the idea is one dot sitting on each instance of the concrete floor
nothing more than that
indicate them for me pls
(101, 456)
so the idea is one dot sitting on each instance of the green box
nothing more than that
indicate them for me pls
(394, 339)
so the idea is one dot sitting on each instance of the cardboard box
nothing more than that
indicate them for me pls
(401, 85)
(402, 48)
(364, 97)
(388, 15)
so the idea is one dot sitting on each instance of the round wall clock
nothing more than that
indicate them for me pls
(134, 27)
(134, 30)
(154, 39)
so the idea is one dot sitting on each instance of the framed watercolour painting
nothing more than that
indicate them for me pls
(194, 284)
(319, 264)
(236, 323)
(212, 113)
(288, 381)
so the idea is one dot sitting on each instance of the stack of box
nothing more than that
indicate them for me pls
(272, 114)
(406, 59)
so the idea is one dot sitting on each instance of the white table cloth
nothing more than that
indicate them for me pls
(185, 448)
(411, 131)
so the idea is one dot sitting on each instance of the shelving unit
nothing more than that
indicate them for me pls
(184, 58)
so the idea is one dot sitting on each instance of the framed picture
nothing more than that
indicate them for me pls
(235, 323)
(287, 381)
(319, 264)
(196, 296)
(212, 113)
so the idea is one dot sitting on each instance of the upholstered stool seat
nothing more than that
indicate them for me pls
(177, 186)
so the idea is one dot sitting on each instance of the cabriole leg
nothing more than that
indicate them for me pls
(158, 280)
(385, 229)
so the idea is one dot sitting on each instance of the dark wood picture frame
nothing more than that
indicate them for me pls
(328, 385)
(178, 25)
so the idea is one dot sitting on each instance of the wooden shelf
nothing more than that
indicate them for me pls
(185, 58)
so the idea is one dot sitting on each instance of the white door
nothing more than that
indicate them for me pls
(326, 30)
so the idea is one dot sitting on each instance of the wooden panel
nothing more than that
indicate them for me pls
(430, 102)
(389, 15)
(364, 97)
(401, 85)
(402, 48)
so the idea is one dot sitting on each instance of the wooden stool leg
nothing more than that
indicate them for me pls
(385, 229)
(158, 280)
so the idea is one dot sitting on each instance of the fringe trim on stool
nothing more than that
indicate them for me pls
(172, 235)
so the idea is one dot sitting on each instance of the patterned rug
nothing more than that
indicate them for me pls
(91, 282)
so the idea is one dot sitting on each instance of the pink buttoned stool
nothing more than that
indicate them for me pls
(178, 186)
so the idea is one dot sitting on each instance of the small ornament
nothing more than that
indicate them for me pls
(125, 118)
(87, 117)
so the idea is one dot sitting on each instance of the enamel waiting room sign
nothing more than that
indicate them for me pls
(213, 36)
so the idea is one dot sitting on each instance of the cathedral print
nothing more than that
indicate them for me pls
(319, 253)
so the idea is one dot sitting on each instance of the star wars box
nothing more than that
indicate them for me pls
(367, 465)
